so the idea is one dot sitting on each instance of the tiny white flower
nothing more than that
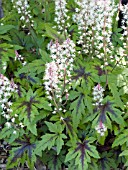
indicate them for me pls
(8, 124)
(61, 118)
(54, 112)
(13, 119)
(14, 132)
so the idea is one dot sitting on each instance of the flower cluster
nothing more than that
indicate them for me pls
(6, 89)
(101, 128)
(20, 58)
(51, 75)
(124, 10)
(119, 58)
(94, 20)
(85, 19)
(106, 10)
(61, 15)
(23, 9)
(98, 95)
(58, 72)
(124, 38)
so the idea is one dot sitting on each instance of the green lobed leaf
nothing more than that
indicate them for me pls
(120, 140)
(116, 95)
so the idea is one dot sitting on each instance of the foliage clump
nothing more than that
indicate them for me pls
(64, 84)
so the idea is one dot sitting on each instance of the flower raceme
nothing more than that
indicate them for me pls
(98, 95)
(61, 15)
(98, 98)
(23, 9)
(51, 75)
(94, 20)
(58, 72)
(6, 89)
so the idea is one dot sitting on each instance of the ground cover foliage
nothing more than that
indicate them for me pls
(64, 84)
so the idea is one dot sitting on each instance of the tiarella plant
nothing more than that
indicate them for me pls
(64, 84)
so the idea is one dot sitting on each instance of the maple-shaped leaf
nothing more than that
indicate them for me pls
(54, 139)
(28, 105)
(25, 146)
(23, 149)
(114, 114)
(82, 154)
